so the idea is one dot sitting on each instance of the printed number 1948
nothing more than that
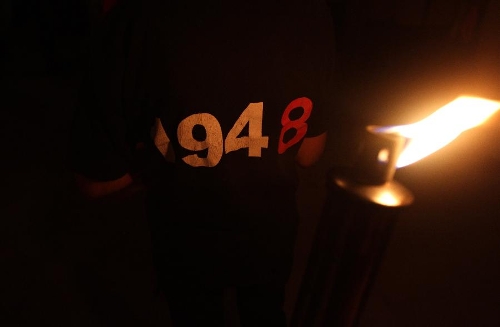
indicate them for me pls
(255, 142)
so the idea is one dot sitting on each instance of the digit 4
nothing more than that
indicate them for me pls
(252, 116)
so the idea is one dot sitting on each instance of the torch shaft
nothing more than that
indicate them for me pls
(350, 241)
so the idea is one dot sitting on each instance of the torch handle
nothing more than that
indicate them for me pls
(350, 241)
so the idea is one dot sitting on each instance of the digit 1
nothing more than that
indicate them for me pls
(299, 124)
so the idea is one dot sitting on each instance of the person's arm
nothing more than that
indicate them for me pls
(97, 189)
(310, 150)
(110, 118)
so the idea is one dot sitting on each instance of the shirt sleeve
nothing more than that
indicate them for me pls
(111, 114)
(322, 47)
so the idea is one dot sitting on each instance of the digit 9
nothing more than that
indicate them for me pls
(213, 140)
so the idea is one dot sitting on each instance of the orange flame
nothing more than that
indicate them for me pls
(440, 128)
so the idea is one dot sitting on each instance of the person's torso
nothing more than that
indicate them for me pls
(235, 87)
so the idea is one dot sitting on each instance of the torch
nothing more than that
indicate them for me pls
(363, 205)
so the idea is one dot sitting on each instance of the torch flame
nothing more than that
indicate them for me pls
(440, 128)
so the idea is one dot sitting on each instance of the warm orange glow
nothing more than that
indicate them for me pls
(388, 199)
(440, 128)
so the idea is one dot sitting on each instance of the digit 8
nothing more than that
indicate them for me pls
(298, 124)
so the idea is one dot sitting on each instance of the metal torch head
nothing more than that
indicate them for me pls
(375, 163)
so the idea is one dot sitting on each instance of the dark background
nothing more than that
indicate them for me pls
(68, 262)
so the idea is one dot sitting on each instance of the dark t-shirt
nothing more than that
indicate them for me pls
(235, 86)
